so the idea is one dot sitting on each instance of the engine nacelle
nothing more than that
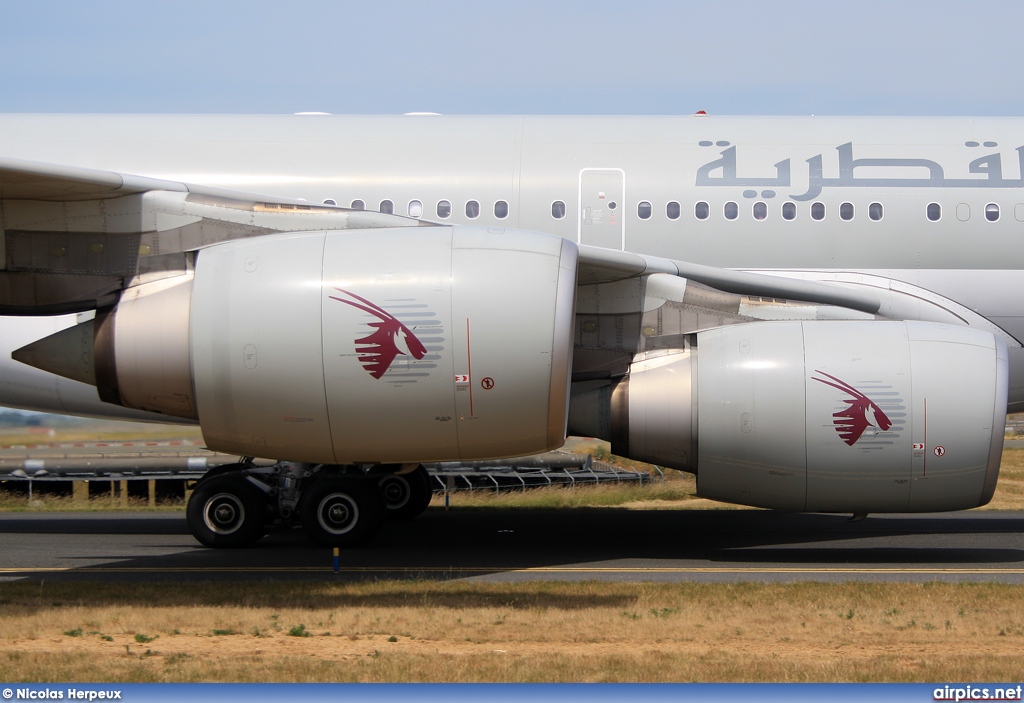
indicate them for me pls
(841, 416)
(403, 345)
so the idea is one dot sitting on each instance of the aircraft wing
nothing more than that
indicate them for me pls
(46, 203)
(305, 335)
(31, 180)
(597, 265)
(72, 238)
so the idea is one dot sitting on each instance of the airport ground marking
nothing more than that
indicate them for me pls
(533, 570)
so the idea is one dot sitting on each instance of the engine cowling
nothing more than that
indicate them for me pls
(403, 345)
(842, 416)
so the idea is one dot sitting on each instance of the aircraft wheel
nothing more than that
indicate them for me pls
(226, 511)
(406, 495)
(338, 511)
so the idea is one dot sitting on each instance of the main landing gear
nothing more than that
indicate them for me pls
(406, 495)
(337, 506)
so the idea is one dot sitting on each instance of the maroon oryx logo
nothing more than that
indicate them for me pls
(389, 338)
(862, 411)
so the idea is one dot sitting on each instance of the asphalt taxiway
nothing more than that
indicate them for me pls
(565, 544)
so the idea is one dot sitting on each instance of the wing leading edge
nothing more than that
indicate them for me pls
(71, 239)
(31, 180)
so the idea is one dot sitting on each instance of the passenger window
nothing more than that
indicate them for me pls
(760, 211)
(789, 211)
(672, 210)
(817, 211)
(875, 211)
(501, 209)
(330, 201)
(731, 211)
(934, 212)
(472, 209)
(992, 212)
(358, 205)
(701, 211)
(387, 207)
(643, 210)
(558, 209)
(415, 208)
(846, 211)
(444, 209)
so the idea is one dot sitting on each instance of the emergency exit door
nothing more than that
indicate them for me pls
(602, 207)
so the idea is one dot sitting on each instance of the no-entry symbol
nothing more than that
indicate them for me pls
(939, 450)
(487, 384)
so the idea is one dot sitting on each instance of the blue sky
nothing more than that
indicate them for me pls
(493, 56)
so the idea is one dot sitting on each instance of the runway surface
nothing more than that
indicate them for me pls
(511, 545)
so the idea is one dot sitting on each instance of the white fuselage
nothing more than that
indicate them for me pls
(934, 202)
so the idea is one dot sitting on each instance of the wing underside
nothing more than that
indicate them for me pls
(72, 238)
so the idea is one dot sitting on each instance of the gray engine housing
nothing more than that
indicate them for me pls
(831, 416)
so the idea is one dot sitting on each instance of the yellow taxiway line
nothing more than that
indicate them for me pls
(528, 570)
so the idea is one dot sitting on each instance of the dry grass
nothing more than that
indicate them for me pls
(462, 631)
(1010, 489)
(676, 492)
(19, 503)
(99, 432)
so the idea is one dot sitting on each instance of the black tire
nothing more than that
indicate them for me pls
(226, 511)
(340, 511)
(406, 495)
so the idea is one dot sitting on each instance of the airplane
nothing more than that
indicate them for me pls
(808, 313)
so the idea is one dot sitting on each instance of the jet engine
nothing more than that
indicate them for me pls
(829, 416)
(400, 345)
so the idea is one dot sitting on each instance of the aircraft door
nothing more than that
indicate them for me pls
(602, 207)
